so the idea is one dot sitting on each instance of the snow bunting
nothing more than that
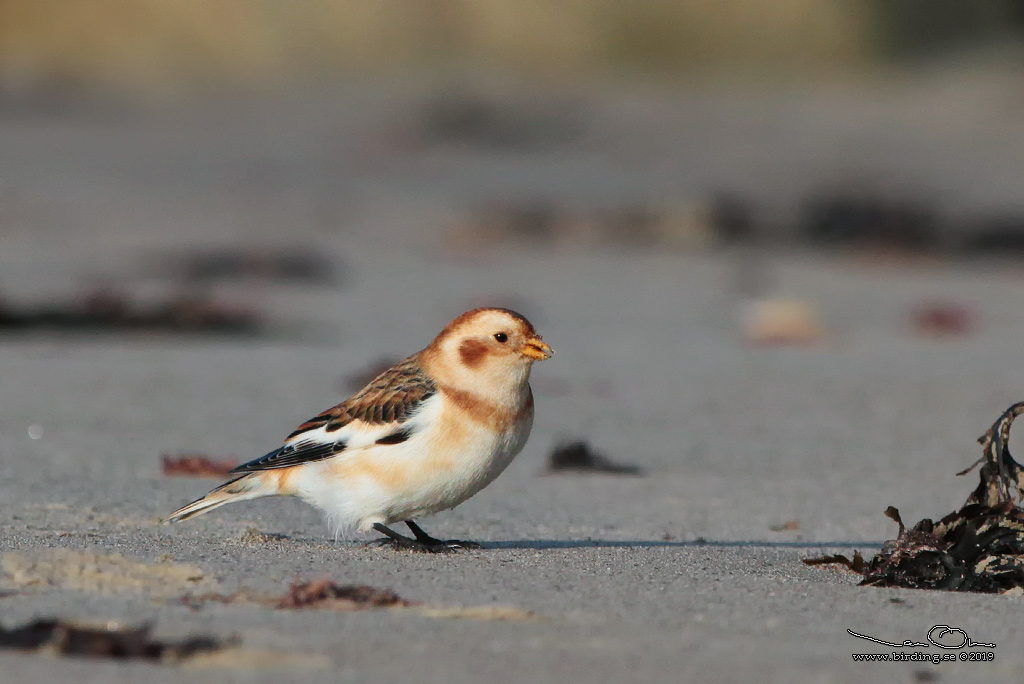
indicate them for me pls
(422, 437)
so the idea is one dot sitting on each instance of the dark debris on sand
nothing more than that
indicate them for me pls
(325, 594)
(105, 310)
(978, 548)
(944, 319)
(855, 565)
(321, 594)
(104, 641)
(195, 465)
(579, 457)
(864, 218)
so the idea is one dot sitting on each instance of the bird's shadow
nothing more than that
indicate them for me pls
(549, 544)
(554, 544)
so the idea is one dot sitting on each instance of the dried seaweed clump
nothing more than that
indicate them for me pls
(326, 594)
(580, 457)
(111, 311)
(103, 641)
(978, 548)
(195, 465)
(321, 594)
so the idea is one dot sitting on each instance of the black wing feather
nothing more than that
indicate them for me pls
(398, 437)
(290, 455)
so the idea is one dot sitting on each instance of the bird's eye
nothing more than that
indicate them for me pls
(501, 337)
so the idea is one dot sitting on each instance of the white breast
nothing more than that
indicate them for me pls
(448, 459)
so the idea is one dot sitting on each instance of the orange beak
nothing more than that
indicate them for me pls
(537, 349)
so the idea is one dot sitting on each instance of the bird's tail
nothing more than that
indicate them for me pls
(240, 489)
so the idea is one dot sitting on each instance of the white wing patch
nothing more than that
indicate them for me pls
(320, 444)
(358, 435)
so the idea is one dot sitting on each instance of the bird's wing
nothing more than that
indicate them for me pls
(292, 454)
(380, 413)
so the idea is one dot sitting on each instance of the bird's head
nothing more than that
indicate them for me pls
(489, 349)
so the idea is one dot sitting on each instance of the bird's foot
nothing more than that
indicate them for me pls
(423, 543)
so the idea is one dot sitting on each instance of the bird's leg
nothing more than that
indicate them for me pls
(421, 535)
(451, 544)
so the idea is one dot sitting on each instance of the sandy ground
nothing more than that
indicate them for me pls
(674, 576)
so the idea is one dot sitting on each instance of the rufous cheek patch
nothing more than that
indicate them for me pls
(472, 352)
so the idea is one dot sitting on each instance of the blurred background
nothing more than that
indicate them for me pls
(331, 181)
(590, 124)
